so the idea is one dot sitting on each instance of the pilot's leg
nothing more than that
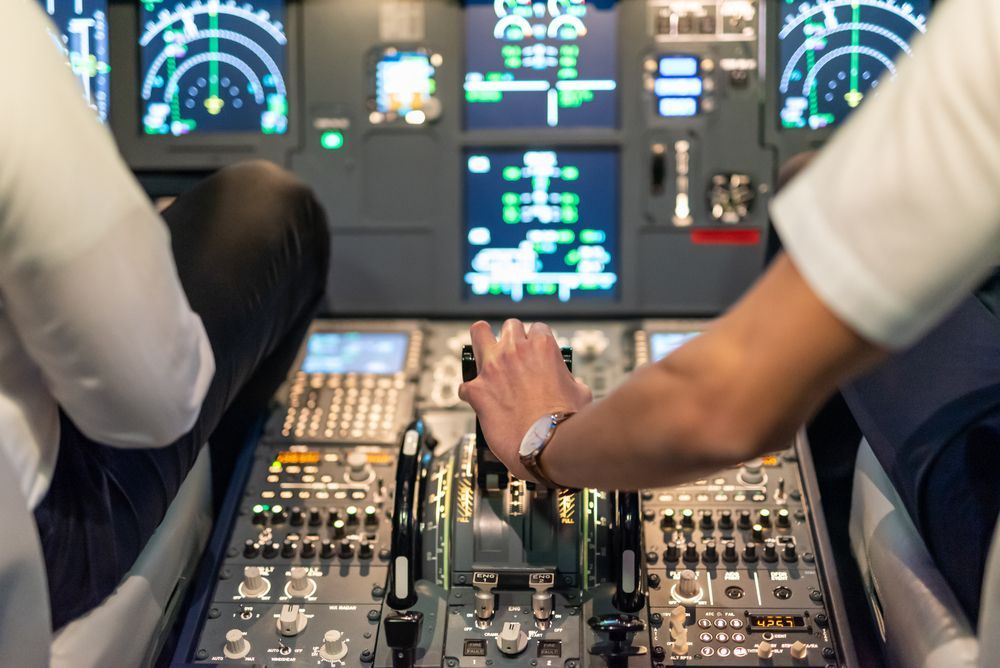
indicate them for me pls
(252, 251)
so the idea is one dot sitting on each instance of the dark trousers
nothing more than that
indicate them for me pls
(252, 252)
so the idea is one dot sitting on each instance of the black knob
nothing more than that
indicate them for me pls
(726, 520)
(690, 552)
(659, 653)
(332, 515)
(788, 554)
(366, 551)
(352, 514)
(278, 515)
(308, 549)
(667, 519)
(687, 518)
(729, 552)
(770, 553)
(744, 521)
(346, 549)
(315, 519)
(764, 518)
(371, 517)
(271, 550)
(758, 532)
(750, 552)
(296, 518)
(647, 495)
(648, 515)
(671, 553)
(654, 580)
(289, 548)
(784, 519)
(338, 529)
(652, 557)
(326, 550)
(710, 554)
(251, 548)
(707, 522)
(261, 516)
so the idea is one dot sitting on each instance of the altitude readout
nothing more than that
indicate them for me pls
(833, 53)
(213, 66)
(83, 40)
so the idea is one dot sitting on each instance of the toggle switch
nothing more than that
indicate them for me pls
(726, 520)
(315, 519)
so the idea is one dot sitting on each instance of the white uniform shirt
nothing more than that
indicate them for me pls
(92, 315)
(899, 217)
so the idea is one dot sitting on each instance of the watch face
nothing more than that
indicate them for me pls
(536, 435)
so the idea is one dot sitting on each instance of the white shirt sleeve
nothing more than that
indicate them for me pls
(899, 217)
(86, 271)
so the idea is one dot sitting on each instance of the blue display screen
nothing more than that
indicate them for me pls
(533, 64)
(833, 53)
(662, 344)
(356, 352)
(404, 83)
(83, 40)
(210, 67)
(542, 223)
(678, 86)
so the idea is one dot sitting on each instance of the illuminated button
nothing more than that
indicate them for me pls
(724, 652)
(371, 516)
(736, 623)
(720, 623)
(705, 637)
(739, 637)
(338, 529)
(758, 532)
(667, 520)
(783, 518)
(332, 140)
(722, 637)
(764, 518)
(707, 651)
(267, 494)
(352, 514)
(687, 518)
(278, 514)
(739, 652)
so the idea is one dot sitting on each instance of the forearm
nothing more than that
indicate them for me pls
(739, 390)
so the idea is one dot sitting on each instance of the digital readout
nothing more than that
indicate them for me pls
(777, 623)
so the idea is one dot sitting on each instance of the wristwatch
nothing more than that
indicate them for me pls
(535, 441)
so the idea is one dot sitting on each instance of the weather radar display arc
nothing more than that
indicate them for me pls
(214, 66)
(833, 53)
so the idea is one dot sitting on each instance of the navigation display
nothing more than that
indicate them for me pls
(542, 222)
(83, 40)
(833, 53)
(212, 66)
(662, 344)
(356, 352)
(532, 64)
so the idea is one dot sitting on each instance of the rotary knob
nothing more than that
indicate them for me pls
(784, 521)
(296, 517)
(726, 520)
(687, 586)
(352, 514)
(729, 552)
(315, 519)
(334, 648)
(512, 640)
(799, 650)
(764, 650)
(371, 516)
(300, 584)
(237, 645)
(668, 519)
(339, 531)
(254, 584)
(291, 620)
(752, 472)
(687, 518)
(357, 464)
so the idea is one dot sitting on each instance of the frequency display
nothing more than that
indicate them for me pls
(532, 64)
(83, 40)
(213, 66)
(833, 53)
(542, 222)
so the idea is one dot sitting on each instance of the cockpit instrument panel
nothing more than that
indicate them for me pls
(213, 66)
(532, 64)
(356, 352)
(405, 87)
(542, 223)
(83, 40)
(833, 53)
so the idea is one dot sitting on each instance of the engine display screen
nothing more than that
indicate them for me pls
(662, 344)
(534, 64)
(833, 53)
(213, 66)
(777, 623)
(542, 222)
(356, 352)
(83, 40)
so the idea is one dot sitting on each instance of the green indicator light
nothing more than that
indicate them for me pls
(569, 215)
(566, 236)
(511, 215)
(592, 236)
(496, 289)
(570, 173)
(567, 73)
(573, 257)
(258, 508)
(332, 140)
(511, 199)
(511, 173)
(569, 198)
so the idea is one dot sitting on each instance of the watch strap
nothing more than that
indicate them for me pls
(531, 461)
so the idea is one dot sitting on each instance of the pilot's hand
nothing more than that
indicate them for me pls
(522, 377)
